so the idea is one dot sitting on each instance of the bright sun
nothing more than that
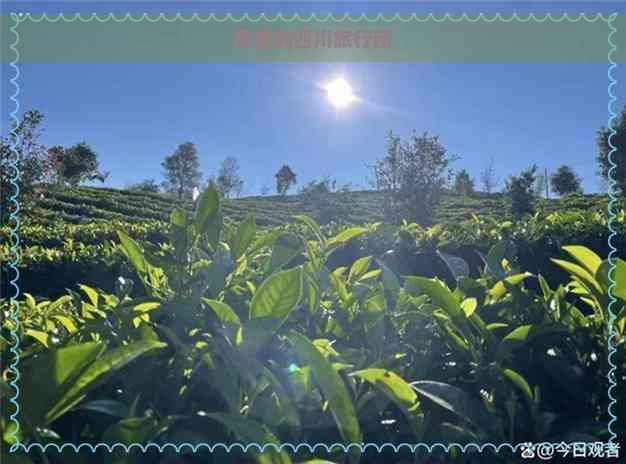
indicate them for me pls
(339, 93)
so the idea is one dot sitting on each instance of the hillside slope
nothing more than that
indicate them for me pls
(87, 204)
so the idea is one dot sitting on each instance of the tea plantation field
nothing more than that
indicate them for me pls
(70, 236)
(86, 204)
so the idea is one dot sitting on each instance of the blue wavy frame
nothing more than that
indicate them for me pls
(363, 447)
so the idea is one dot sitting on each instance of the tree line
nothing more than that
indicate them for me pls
(412, 176)
(182, 175)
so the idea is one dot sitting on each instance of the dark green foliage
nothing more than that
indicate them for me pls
(285, 178)
(463, 183)
(21, 147)
(182, 171)
(412, 177)
(565, 181)
(618, 156)
(77, 164)
(521, 193)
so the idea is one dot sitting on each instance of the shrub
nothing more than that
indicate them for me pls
(412, 177)
(520, 190)
(565, 181)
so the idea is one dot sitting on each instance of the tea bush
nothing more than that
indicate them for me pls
(231, 334)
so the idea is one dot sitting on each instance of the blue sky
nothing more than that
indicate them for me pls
(135, 114)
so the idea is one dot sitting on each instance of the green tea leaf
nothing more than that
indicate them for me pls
(332, 386)
(223, 311)
(469, 305)
(208, 208)
(397, 390)
(585, 257)
(97, 370)
(285, 248)
(521, 383)
(40, 336)
(59, 367)
(345, 236)
(249, 431)
(109, 407)
(278, 295)
(133, 252)
(456, 401)
(243, 238)
(359, 267)
(499, 289)
(439, 294)
(580, 272)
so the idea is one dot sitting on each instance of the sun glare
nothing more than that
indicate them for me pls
(340, 93)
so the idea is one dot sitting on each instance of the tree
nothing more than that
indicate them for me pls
(228, 181)
(488, 177)
(76, 164)
(618, 156)
(540, 187)
(463, 183)
(412, 177)
(21, 148)
(182, 171)
(147, 186)
(520, 190)
(285, 178)
(565, 181)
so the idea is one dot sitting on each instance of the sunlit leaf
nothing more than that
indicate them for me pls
(469, 305)
(243, 238)
(133, 252)
(332, 386)
(278, 295)
(249, 431)
(521, 384)
(223, 311)
(207, 209)
(585, 257)
(96, 371)
(500, 289)
(397, 390)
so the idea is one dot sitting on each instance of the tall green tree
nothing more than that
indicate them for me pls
(182, 171)
(463, 183)
(77, 164)
(22, 148)
(565, 181)
(412, 177)
(619, 155)
(285, 178)
(521, 192)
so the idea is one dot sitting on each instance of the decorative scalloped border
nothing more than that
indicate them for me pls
(612, 213)
(21, 17)
(321, 18)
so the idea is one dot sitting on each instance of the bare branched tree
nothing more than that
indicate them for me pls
(488, 177)
(229, 182)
